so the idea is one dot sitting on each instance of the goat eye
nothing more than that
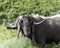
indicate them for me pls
(21, 21)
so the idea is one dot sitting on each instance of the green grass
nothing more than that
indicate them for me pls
(6, 34)
(22, 42)
(8, 40)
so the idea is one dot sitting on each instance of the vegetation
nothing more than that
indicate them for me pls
(11, 9)
(22, 42)
(6, 34)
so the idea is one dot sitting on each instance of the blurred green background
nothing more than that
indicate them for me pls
(11, 9)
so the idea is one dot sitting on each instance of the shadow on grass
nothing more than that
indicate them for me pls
(22, 42)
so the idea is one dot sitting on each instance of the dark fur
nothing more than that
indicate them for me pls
(47, 31)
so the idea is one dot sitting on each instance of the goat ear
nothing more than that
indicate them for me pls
(18, 28)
